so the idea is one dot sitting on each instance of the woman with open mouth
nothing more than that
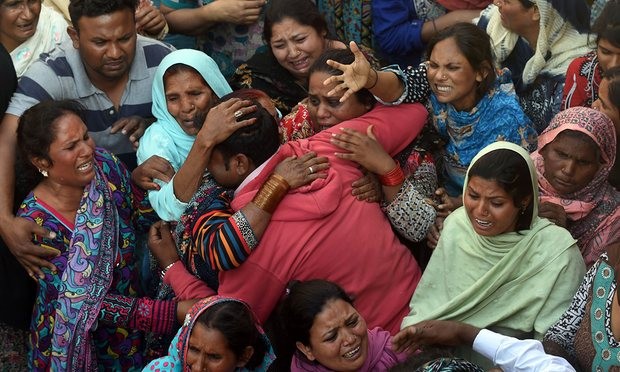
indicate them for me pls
(499, 265)
(328, 334)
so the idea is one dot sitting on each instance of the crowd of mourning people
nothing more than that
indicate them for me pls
(309, 185)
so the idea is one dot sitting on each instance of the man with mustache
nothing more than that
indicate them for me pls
(106, 67)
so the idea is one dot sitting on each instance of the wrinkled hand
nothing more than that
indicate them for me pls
(240, 12)
(131, 126)
(153, 168)
(161, 244)
(296, 171)
(18, 233)
(443, 203)
(221, 122)
(183, 307)
(434, 332)
(364, 150)
(149, 20)
(432, 237)
(354, 76)
(367, 188)
(553, 212)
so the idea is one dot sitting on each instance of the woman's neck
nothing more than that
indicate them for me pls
(65, 199)
(531, 36)
(9, 44)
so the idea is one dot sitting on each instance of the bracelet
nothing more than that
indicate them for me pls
(271, 193)
(376, 79)
(393, 177)
(162, 274)
(434, 26)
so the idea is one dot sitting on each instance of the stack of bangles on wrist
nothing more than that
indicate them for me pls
(271, 193)
(162, 274)
(393, 178)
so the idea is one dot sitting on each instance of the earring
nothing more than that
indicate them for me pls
(523, 209)
(43, 172)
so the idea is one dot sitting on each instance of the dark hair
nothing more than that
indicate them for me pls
(512, 174)
(613, 75)
(344, 56)
(235, 321)
(258, 141)
(475, 45)
(96, 8)
(181, 67)
(607, 25)
(304, 302)
(249, 94)
(580, 136)
(303, 12)
(35, 133)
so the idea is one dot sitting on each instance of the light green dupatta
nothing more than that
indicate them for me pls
(518, 283)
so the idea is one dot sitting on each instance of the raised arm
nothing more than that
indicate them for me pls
(389, 85)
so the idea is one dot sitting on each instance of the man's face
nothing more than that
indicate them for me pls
(107, 44)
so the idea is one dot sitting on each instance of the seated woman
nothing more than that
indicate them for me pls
(471, 105)
(296, 34)
(537, 40)
(28, 29)
(88, 313)
(186, 85)
(497, 264)
(321, 323)
(608, 102)
(584, 73)
(575, 154)
(219, 334)
(586, 335)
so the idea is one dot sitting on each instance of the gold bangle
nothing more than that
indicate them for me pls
(271, 193)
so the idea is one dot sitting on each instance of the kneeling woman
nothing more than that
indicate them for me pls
(497, 264)
(219, 334)
(330, 335)
(87, 313)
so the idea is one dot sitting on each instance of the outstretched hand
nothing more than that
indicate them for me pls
(354, 76)
(434, 332)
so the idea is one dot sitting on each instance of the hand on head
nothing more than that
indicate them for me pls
(224, 119)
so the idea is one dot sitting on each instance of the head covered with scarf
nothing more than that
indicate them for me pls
(592, 211)
(502, 269)
(165, 137)
(176, 360)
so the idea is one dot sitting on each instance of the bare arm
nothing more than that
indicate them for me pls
(197, 21)
(430, 28)
(17, 232)
(383, 84)
(219, 124)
